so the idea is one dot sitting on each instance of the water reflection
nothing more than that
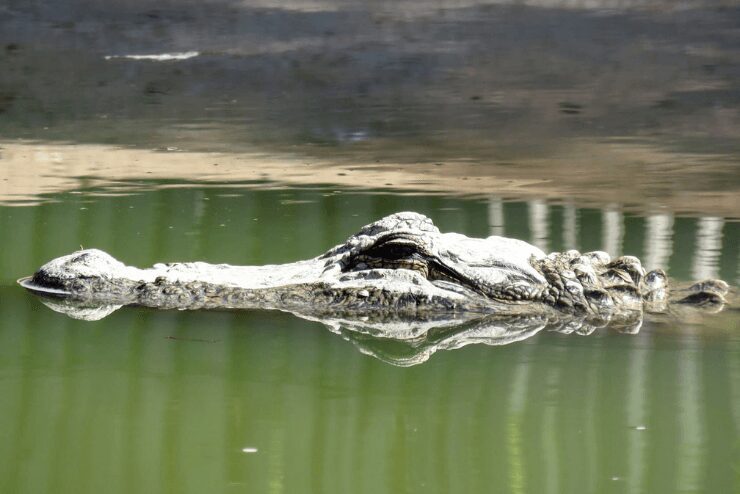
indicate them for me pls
(539, 224)
(658, 241)
(406, 340)
(690, 461)
(384, 342)
(636, 414)
(496, 216)
(613, 230)
(570, 227)
(708, 248)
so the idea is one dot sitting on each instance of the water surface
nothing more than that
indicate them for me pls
(175, 401)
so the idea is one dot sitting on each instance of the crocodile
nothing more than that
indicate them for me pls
(393, 275)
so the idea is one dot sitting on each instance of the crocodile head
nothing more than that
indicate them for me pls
(405, 253)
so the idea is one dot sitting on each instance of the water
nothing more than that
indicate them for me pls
(239, 401)
(267, 132)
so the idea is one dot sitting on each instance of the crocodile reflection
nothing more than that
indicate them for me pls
(402, 341)
(406, 344)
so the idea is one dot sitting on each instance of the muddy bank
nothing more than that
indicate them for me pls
(32, 170)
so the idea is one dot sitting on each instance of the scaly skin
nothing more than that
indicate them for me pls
(400, 265)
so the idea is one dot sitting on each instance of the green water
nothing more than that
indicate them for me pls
(168, 401)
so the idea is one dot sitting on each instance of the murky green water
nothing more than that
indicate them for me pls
(266, 132)
(149, 401)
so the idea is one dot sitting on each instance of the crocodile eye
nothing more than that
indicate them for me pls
(390, 254)
(391, 251)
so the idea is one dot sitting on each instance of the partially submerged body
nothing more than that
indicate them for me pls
(400, 267)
